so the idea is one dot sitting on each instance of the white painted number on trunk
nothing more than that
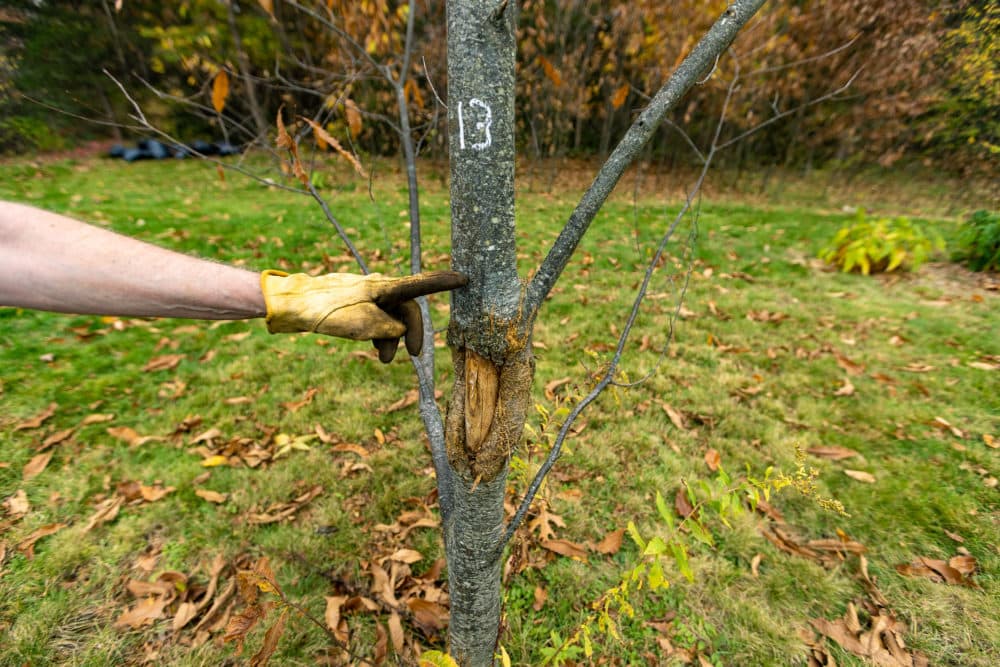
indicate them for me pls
(482, 127)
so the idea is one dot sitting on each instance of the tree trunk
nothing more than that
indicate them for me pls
(490, 350)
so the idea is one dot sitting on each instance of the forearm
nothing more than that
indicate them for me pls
(51, 262)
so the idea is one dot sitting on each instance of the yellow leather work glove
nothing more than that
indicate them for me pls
(372, 307)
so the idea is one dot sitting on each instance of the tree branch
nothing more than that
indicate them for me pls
(692, 69)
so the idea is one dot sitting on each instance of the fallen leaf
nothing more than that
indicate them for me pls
(566, 548)
(351, 447)
(918, 368)
(713, 459)
(832, 452)
(944, 424)
(56, 438)
(429, 616)
(207, 436)
(407, 556)
(295, 406)
(27, 545)
(410, 398)
(17, 505)
(211, 496)
(540, 597)
(185, 612)
(941, 571)
(861, 476)
(396, 632)
(163, 363)
(38, 419)
(682, 504)
(847, 389)
(282, 511)
(216, 460)
(755, 565)
(107, 510)
(850, 367)
(36, 465)
(611, 543)
(97, 418)
(990, 441)
(381, 647)
(550, 387)
(675, 416)
(143, 613)
(766, 316)
(129, 435)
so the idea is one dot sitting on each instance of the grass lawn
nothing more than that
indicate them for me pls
(772, 353)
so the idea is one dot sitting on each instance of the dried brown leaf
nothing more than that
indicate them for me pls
(38, 419)
(164, 362)
(106, 511)
(832, 452)
(847, 389)
(334, 603)
(271, 639)
(351, 447)
(353, 114)
(396, 632)
(407, 556)
(611, 543)
(143, 613)
(713, 459)
(241, 624)
(27, 545)
(410, 398)
(682, 504)
(211, 496)
(17, 505)
(56, 438)
(322, 135)
(184, 614)
(97, 418)
(550, 387)
(566, 548)
(676, 417)
(36, 465)
(861, 476)
(307, 398)
(850, 367)
(430, 617)
(130, 436)
(540, 597)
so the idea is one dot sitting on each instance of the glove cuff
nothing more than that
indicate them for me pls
(269, 305)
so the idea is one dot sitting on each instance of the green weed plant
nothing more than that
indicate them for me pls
(979, 242)
(880, 245)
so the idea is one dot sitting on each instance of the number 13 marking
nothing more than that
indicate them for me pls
(482, 126)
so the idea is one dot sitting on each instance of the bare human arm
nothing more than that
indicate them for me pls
(52, 262)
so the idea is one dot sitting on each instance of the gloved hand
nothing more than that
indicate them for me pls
(372, 307)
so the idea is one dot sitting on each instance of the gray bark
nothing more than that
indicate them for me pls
(482, 424)
(491, 318)
(481, 150)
